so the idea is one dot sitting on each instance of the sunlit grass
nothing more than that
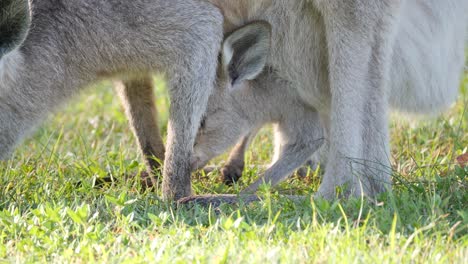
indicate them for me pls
(50, 212)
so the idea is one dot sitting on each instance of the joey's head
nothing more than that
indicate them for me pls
(228, 115)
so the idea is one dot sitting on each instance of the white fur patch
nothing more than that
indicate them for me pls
(228, 52)
(9, 68)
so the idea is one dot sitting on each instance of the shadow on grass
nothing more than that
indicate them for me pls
(439, 204)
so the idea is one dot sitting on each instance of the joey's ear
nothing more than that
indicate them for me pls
(245, 51)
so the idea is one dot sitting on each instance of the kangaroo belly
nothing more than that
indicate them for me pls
(428, 55)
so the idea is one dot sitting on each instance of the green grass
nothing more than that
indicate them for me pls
(47, 216)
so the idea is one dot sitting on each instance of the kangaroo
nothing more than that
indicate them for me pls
(252, 99)
(351, 61)
(73, 43)
(232, 170)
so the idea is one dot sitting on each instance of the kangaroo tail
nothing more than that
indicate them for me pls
(15, 19)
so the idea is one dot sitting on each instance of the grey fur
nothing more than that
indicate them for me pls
(233, 169)
(351, 60)
(138, 100)
(246, 49)
(73, 43)
(236, 111)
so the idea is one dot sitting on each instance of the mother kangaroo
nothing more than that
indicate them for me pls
(53, 49)
(352, 61)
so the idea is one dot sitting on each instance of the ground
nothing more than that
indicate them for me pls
(51, 210)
